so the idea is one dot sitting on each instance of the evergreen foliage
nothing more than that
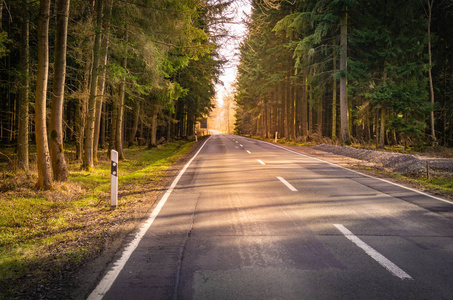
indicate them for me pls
(289, 70)
(160, 69)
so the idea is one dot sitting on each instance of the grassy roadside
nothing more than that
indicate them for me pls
(441, 185)
(44, 234)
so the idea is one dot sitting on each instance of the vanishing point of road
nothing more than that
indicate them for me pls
(247, 219)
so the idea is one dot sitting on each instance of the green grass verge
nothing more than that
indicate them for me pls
(40, 230)
(443, 184)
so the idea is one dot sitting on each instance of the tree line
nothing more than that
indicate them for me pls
(375, 72)
(104, 74)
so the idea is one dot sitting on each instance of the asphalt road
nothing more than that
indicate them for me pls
(249, 220)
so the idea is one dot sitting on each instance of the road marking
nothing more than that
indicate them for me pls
(365, 175)
(236, 142)
(241, 145)
(248, 152)
(106, 282)
(382, 260)
(287, 184)
(261, 162)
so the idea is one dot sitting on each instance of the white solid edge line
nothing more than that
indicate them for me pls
(381, 259)
(369, 176)
(292, 188)
(261, 162)
(248, 152)
(106, 282)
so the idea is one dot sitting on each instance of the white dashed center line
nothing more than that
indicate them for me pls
(381, 259)
(287, 184)
(261, 162)
(248, 152)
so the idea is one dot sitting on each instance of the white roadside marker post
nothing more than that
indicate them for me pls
(276, 135)
(114, 179)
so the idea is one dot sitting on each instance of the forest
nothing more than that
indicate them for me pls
(103, 74)
(346, 71)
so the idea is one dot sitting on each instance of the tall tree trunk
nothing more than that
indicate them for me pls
(80, 117)
(266, 127)
(293, 111)
(153, 131)
(134, 128)
(169, 127)
(334, 96)
(304, 105)
(297, 132)
(91, 113)
(112, 138)
(366, 120)
(81, 111)
(59, 167)
(103, 127)
(1, 11)
(101, 84)
(42, 148)
(119, 124)
(310, 108)
(382, 127)
(430, 65)
(281, 116)
(345, 138)
(22, 141)
(319, 111)
(286, 108)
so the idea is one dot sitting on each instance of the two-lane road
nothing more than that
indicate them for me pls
(250, 220)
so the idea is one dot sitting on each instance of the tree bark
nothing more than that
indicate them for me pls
(153, 131)
(22, 141)
(334, 96)
(345, 138)
(304, 104)
(119, 124)
(319, 111)
(59, 167)
(103, 128)
(430, 65)
(112, 138)
(382, 127)
(1, 12)
(42, 149)
(101, 84)
(134, 128)
(91, 113)
(286, 108)
(310, 107)
(169, 127)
